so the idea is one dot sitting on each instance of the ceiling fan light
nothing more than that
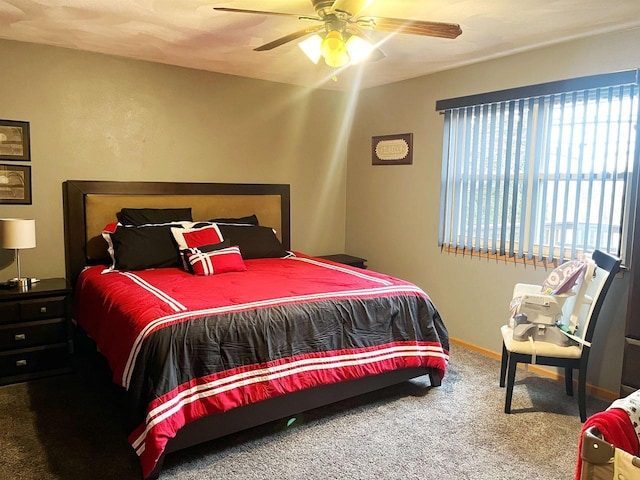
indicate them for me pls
(358, 48)
(311, 47)
(334, 50)
(337, 60)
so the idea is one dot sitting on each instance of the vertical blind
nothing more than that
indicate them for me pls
(541, 176)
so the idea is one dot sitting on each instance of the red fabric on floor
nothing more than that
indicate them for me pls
(616, 428)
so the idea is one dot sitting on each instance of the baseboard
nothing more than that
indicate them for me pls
(543, 372)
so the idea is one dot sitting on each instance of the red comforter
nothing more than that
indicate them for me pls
(187, 346)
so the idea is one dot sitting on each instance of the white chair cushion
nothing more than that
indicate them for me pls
(545, 349)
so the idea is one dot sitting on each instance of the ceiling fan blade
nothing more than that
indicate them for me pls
(263, 12)
(352, 7)
(411, 27)
(289, 38)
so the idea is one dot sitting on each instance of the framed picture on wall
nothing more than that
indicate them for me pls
(15, 184)
(392, 149)
(15, 143)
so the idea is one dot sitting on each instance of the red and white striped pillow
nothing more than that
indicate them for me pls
(197, 237)
(214, 262)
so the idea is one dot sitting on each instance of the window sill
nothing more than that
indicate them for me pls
(502, 258)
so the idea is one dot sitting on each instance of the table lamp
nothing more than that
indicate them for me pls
(16, 234)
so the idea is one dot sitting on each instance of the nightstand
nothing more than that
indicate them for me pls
(346, 259)
(35, 331)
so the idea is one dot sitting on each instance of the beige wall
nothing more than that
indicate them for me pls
(106, 118)
(392, 211)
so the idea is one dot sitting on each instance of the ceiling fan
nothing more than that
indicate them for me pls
(340, 39)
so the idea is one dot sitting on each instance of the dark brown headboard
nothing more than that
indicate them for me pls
(90, 205)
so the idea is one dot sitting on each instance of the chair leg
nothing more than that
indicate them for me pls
(582, 394)
(511, 379)
(503, 365)
(568, 380)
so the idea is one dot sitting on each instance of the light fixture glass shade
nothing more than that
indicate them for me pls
(311, 47)
(17, 233)
(334, 50)
(358, 48)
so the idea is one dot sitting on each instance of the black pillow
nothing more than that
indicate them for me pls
(248, 220)
(144, 216)
(138, 248)
(254, 241)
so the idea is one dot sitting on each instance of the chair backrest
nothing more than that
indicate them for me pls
(577, 302)
(592, 292)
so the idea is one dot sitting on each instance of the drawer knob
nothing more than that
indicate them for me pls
(43, 309)
(21, 363)
(20, 336)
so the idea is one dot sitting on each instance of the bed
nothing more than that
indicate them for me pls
(260, 337)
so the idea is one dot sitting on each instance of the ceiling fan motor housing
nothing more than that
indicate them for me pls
(322, 5)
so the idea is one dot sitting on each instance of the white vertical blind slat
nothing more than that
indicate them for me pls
(544, 177)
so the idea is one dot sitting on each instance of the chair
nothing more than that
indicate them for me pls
(585, 306)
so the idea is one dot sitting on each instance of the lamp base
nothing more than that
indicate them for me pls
(22, 284)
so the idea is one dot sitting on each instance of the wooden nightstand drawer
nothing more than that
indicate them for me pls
(31, 360)
(35, 333)
(42, 308)
(29, 334)
(9, 312)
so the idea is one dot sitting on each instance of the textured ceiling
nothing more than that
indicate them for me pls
(190, 33)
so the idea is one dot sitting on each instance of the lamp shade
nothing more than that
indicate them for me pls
(17, 233)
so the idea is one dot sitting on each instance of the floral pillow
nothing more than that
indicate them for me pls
(563, 278)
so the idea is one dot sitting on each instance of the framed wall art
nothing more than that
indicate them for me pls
(15, 184)
(15, 143)
(392, 149)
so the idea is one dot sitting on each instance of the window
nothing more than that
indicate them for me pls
(543, 172)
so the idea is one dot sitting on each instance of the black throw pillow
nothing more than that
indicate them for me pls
(139, 248)
(145, 216)
(254, 241)
(248, 220)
